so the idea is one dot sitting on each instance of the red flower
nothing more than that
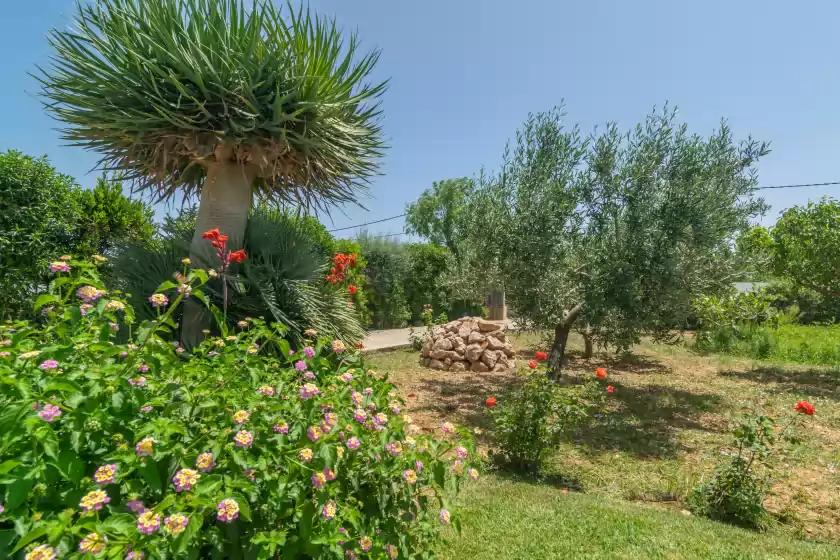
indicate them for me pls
(532, 364)
(237, 256)
(610, 389)
(490, 402)
(541, 356)
(360, 346)
(804, 407)
(601, 373)
(352, 289)
(412, 395)
(565, 490)
(214, 235)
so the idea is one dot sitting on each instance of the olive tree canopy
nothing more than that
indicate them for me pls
(616, 233)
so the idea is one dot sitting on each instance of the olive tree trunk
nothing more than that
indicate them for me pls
(588, 350)
(226, 198)
(561, 339)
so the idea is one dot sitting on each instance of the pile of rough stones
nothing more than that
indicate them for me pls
(470, 344)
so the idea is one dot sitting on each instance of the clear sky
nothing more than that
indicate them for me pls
(465, 73)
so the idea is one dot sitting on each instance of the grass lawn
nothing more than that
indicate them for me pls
(507, 520)
(629, 475)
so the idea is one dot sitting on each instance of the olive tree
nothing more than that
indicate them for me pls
(210, 98)
(614, 234)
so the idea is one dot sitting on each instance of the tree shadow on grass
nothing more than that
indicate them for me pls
(557, 480)
(461, 396)
(646, 421)
(626, 363)
(816, 382)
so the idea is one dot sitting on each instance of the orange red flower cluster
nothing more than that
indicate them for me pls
(804, 407)
(219, 241)
(340, 265)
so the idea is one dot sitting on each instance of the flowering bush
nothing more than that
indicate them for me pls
(737, 490)
(528, 422)
(146, 450)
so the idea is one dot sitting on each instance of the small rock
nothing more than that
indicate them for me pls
(459, 366)
(473, 352)
(479, 367)
(476, 337)
(489, 358)
(487, 326)
(494, 343)
(442, 344)
(436, 364)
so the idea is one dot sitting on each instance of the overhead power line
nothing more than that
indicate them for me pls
(795, 186)
(367, 224)
(832, 183)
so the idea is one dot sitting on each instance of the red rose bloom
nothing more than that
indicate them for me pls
(610, 389)
(490, 402)
(352, 289)
(804, 407)
(532, 364)
(238, 256)
(601, 373)
(541, 356)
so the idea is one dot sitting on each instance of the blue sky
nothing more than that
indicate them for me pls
(465, 73)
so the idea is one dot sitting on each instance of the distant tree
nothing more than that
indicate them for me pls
(108, 218)
(806, 246)
(426, 266)
(436, 214)
(38, 213)
(754, 254)
(616, 234)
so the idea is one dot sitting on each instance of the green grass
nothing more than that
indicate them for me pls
(800, 344)
(660, 433)
(509, 520)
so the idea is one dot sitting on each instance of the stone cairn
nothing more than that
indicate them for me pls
(470, 344)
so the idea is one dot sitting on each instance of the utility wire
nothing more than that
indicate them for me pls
(757, 189)
(366, 224)
(795, 186)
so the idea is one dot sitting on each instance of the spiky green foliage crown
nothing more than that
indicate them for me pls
(155, 86)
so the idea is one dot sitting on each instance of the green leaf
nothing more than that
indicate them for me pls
(63, 386)
(168, 285)
(8, 466)
(70, 466)
(17, 493)
(150, 474)
(244, 506)
(43, 300)
(36, 533)
(192, 529)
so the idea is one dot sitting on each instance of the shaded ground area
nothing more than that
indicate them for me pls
(664, 426)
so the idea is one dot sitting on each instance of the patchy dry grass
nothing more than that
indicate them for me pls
(665, 425)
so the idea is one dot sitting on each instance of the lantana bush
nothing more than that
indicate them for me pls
(117, 442)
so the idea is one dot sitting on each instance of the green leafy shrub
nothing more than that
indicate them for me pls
(283, 278)
(44, 214)
(385, 272)
(529, 421)
(737, 490)
(148, 449)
